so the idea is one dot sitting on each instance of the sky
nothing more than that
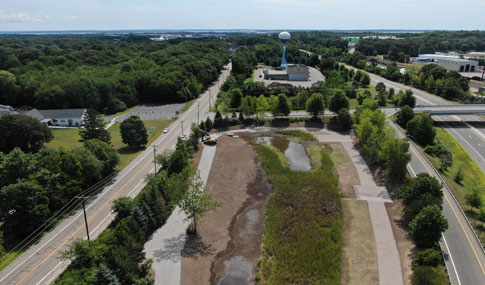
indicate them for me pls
(44, 15)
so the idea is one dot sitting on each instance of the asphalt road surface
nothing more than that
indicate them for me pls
(40, 264)
(468, 130)
(464, 256)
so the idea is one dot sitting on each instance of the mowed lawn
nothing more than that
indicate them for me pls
(69, 139)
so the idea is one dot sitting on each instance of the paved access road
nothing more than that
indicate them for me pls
(40, 264)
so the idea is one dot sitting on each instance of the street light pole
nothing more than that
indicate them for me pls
(155, 158)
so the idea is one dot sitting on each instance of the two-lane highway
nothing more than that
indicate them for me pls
(40, 264)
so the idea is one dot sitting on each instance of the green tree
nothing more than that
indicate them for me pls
(245, 106)
(421, 130)
(344, 119)
(179, 158)
(474, 199)
(24, 132)
(283, 105)
(380, 87)
(458, 176)
(422, 191)
(23, 207)
(236, 98)
(365, 80)
(338, 101)
(428, 275)
(122, 207)
(407, 99)
(133, 132)
(2, 249)
(316, 104)
(93, 128)
(427, 226)
(104, 152)
(195, 204)
(81, 253)
(92, 167)
(404, 115)
(16, 165)
(195, 136)
(104, 276)
(8, 88)
(396, 154)
(428, 257)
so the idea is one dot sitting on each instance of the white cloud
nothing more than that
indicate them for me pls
(22, 17)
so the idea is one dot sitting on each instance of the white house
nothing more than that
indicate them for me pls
(7, 110)
(58, 117)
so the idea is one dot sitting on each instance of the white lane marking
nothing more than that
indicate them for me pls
(412, 170)
(142, 159)
(463, 139)
(49, 273)
(105, 218)
(451, 258)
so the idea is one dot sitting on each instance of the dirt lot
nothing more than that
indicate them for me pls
(228, 246)
(405, 246)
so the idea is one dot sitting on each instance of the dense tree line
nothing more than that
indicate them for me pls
(108, 74)
(431, 42)
(33, 186)
(117, 255)
(378, 141)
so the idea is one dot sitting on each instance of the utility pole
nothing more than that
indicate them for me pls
(182, 127)
(210, 97)
(198, 111)
(155, 158)
(85, 217)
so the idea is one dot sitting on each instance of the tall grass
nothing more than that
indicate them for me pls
(302, 235)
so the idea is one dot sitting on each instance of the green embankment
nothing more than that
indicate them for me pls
(473, 178)
(302, 235)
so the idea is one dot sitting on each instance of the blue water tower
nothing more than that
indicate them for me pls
(284, 37)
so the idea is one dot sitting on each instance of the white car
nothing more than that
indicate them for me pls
(165, 130)
(184, 137)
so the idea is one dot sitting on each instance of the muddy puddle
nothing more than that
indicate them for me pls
(295, 152)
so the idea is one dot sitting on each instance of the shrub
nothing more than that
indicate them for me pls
(428, 257)
(474, 199)
(428, 275)
(458, 176)
(427, 226)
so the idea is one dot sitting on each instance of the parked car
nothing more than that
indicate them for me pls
(165, 130)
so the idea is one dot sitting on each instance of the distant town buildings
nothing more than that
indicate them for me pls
(450, 62)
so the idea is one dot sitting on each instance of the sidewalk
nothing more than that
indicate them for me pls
(166, 244)
(388, 261)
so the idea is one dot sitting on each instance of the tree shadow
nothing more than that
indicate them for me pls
(195, 246)
(130, 150)
(171, 249)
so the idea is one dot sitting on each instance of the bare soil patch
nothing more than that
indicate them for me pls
(359, 254)
(196, 156)
(229, 242)
(347, 173)
(405, 246)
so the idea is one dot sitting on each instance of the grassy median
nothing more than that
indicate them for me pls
(303, 228)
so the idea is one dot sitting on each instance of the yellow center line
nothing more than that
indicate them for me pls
(90, 218)
(468, 239)
(451, 206)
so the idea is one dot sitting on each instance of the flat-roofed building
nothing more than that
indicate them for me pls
(295, 72)
(449, 62)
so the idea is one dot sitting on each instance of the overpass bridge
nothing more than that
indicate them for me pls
(457, 109)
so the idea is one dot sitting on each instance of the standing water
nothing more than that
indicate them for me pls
(297, 157)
